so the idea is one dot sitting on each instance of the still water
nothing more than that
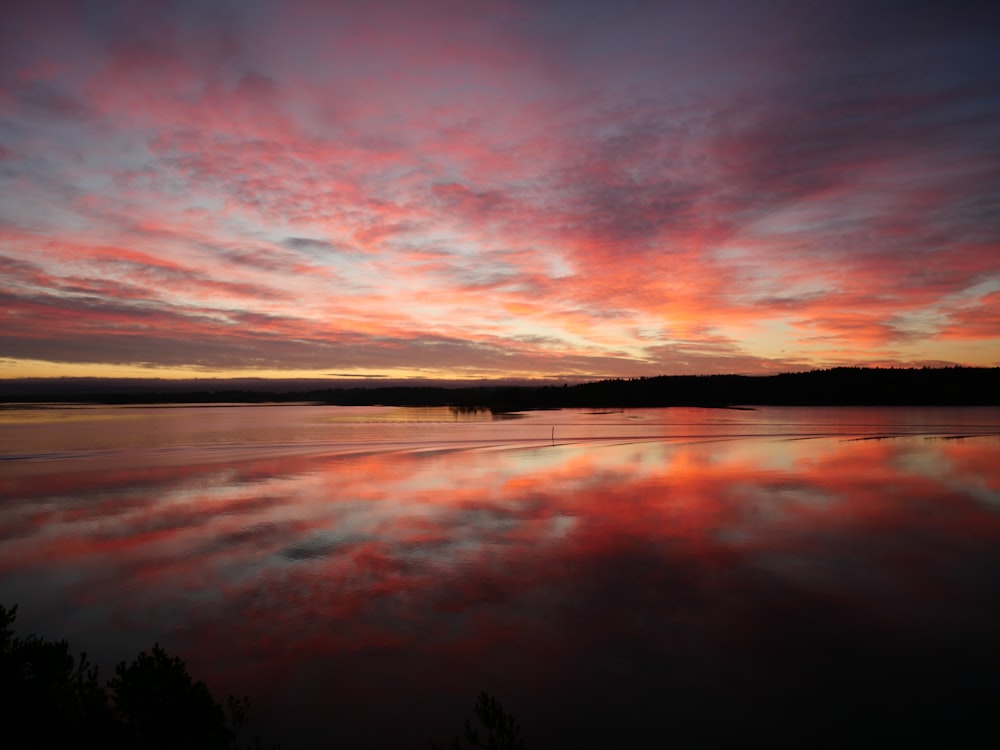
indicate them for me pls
(797, 574)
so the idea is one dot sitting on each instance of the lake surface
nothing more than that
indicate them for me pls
(803, 575)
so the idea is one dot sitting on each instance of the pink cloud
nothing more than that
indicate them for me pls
(975, 320)
(473, 175)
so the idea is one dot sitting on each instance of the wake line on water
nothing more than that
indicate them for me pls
(212, 453)
(923, 435)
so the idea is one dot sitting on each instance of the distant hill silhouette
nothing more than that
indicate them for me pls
(841, 386)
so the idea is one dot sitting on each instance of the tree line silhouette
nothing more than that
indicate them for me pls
(840, 386)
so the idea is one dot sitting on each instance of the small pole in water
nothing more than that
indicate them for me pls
(553, 436)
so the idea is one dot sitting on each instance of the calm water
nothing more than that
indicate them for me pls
(362, 573)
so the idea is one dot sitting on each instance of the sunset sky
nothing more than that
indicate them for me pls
(497, 188)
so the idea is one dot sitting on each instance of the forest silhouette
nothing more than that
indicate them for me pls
(841, 386)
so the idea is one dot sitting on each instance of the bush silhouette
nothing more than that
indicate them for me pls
(502, 730)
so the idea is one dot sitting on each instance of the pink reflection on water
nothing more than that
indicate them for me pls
(368, 597)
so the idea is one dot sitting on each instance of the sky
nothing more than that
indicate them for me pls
(497, 188)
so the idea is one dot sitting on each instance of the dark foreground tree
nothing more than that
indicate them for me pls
(50, 699)
(160, 706)
(499, 730)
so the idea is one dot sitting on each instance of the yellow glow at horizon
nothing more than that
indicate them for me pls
(20, 368)
(981, 353)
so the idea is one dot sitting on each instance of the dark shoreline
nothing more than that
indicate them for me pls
(844, 386)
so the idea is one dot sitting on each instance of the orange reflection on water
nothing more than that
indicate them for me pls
(337, 589)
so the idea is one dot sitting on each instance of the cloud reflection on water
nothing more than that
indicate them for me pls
(371, 596)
